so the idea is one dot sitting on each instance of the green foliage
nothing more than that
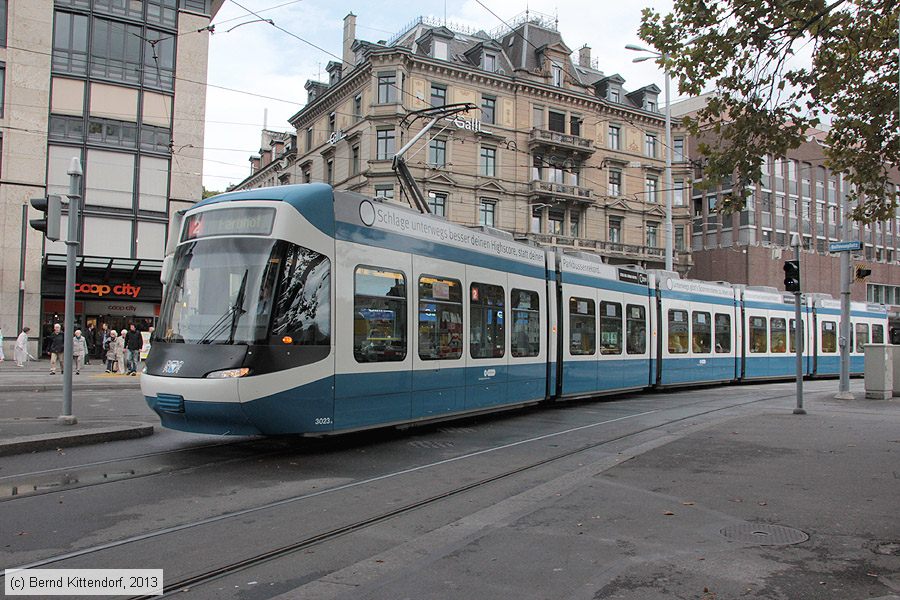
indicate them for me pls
(778, 67)
(209, 193)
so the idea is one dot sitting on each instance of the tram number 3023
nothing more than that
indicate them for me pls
(323, 421)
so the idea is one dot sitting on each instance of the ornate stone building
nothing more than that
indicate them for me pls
(555, 151)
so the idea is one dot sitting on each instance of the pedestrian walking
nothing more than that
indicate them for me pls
(57, 346)
(111, 349)
(89, 341)
(21, 351)
(120, 352)
(102, 339)
(79, 351)
(133, 344)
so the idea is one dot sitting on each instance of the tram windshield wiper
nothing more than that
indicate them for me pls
(229, 318)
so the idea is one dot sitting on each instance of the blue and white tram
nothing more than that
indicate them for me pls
(868, 324)
(605, 325)
(302, 310)
(699, 336)
(769, 321)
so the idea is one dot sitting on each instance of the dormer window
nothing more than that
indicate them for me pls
(614, 95)
(490, 62)
(440, 49)
(650, 105)
(557, 71)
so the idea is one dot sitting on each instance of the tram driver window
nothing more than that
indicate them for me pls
(487, 337)
(778, 336)
(862, 337)
(303, 301)
(610, 328)
(526, 323)
(701, 333)
(758, 335)
(829, 336)
(635, 329)
(678, 331)
(440, 318)
(379, 315)
(582, 327)
(723, 333)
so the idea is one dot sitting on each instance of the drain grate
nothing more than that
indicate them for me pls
(764, 535)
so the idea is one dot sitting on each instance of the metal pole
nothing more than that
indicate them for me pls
(21, 319)
(844, 384)
(798, 330)
(67, 418)
(668, 174)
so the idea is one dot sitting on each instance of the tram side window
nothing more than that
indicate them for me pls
(635, 329)
(303, 305)
(701, 338)
(526, 323)
(487, 337)
(829, 336)
(379, 315)
(793, 337)
(862, 336)
(440, 318)
(877, 334)
(582, 326)
(610, 328)
(778, 335)
(678, 331)
(723, 333)
(758, 335)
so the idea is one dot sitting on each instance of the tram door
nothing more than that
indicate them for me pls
(438, 289)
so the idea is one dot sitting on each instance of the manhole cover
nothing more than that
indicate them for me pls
(764, 535)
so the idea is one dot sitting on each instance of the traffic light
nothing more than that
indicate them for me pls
(51, 206)
(862, 272)
(792, 275)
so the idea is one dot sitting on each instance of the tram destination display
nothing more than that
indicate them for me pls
(229, 221)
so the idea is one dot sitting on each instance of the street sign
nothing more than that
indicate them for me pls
(844, 246)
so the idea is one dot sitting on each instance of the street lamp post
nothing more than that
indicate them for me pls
(668, 173)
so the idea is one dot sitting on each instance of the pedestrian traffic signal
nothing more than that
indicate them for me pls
(792, 275)
(862, 272)
(51, 206)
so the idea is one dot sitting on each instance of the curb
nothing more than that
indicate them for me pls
(51, 441)
(49, 387)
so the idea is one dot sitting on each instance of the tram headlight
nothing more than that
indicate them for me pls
(228, 373)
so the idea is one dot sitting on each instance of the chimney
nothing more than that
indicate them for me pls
(584, 56)
(349, 38)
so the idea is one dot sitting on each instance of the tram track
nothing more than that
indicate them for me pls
(363, 523)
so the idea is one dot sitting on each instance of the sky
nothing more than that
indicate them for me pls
(257, 71)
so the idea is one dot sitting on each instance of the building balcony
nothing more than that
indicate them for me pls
(560, 191)
(557, 141)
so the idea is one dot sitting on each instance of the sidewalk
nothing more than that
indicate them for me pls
(30, 426)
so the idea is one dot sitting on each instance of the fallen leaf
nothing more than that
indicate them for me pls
(763, 503)
(668, 513)
(687, 504)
